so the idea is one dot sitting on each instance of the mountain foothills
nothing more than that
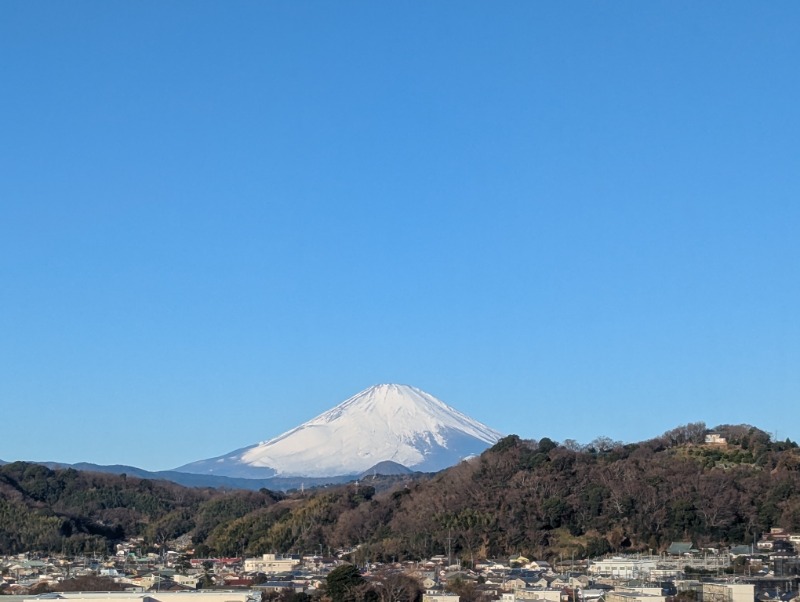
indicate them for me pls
(537, 498)
(385, 429)
(384, 423)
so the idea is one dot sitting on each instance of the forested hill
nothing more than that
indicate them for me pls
(537, 498)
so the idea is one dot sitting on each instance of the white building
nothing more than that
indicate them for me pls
(434, 596)
(184, 596)
(650, 591)
(633, 596)
(623, 568)
(187, 580)
(271, 564)
(546, 595)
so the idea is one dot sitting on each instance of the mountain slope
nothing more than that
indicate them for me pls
(537, 499)
(188, 479)
(389, 422)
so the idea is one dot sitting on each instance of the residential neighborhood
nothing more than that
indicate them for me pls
(765, 571)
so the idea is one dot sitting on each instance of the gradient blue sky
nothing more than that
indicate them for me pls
(219, 219)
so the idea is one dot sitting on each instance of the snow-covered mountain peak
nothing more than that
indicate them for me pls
(408, 409)
(386, 422)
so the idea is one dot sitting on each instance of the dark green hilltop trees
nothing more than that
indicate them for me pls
(345, 584)
(539, 498)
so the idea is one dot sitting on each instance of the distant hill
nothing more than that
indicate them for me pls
(386, 468)
(537, 498)
(207, 480)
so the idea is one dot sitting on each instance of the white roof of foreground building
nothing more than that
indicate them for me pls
(184, 596)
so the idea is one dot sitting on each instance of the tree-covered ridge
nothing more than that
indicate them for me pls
(537, 498)
(78, 512)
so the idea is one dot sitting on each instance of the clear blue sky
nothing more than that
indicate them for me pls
(219, 219)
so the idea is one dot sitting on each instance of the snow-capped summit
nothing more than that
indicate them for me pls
(395, 423)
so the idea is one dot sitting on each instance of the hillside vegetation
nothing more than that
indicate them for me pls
(537, 498)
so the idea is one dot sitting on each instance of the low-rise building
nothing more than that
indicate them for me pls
(547, 595)
(728, 592)
(434, 596)
(633, 596)
(623, 568)
(271, 564)
(180, 596)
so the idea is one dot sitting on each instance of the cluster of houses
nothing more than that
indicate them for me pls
(706, 574)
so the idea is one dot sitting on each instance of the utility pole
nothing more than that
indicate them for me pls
(449, 539)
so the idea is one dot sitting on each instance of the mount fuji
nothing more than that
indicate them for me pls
(385, 424)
